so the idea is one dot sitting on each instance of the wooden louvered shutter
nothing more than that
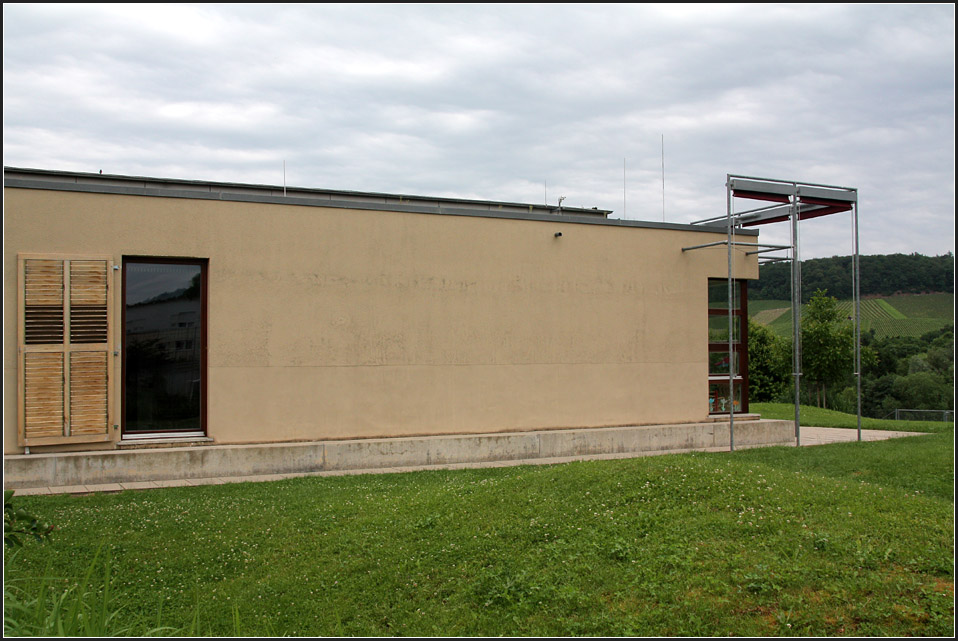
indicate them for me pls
(65, 346)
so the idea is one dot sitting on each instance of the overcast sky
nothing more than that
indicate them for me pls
(507, 102)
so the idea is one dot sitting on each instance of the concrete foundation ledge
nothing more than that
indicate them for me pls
(209, 461)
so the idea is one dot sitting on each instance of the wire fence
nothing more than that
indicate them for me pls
(925, 415)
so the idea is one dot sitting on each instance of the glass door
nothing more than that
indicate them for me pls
(164, 347)
(723, 361)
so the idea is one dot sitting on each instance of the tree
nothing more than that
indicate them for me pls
(828, 344)
(769, 364)
(923, 391)
(880, 275)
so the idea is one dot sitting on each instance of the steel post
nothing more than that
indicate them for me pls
(731, 352)
(856, 266)
(796, 314)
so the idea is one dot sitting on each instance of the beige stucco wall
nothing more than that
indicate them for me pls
(331, 323)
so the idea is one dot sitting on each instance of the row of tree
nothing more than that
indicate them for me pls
(882, 275)
(897, 372)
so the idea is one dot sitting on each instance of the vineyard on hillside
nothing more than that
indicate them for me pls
(900, 315)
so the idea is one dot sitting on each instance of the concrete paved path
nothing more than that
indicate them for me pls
(809, 436)
(822, 435)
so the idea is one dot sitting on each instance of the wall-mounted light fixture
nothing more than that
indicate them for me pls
(558, 234)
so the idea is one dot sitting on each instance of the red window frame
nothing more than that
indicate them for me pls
(739, 349)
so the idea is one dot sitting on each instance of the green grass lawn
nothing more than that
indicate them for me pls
(818, 417)
(853, 539)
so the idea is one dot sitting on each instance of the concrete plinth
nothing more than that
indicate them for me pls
(224, 461)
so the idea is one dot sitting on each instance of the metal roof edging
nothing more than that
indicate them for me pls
(23, 183)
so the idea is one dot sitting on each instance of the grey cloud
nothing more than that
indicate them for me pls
(496, 101)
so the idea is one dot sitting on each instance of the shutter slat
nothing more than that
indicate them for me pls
(43, 401)
(43, 301)
(88, 393)
(88, 304)
(43, 325)
(43, 282)
(88, 281)
(88, 324)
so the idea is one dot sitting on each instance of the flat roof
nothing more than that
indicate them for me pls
(25, 178)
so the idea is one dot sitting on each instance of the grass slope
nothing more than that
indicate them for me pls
(849, 540)
(819, 417)
(757, 306)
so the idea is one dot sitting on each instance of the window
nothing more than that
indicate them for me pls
(722, 360)
(65, 342)
(164, 356)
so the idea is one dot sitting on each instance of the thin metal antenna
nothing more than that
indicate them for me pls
(545, 187)
(663, 178)
(284, 178)
(624, 210)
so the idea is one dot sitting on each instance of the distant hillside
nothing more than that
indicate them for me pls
(882, 275)
(900, 315)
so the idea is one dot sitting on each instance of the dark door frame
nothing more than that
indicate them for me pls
(203, 264)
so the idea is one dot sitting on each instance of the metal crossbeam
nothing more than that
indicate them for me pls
(720, 243)
(794, 201)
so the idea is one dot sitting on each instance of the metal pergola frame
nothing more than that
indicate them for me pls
(794, 201)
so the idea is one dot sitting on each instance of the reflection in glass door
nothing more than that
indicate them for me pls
(164, 364)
